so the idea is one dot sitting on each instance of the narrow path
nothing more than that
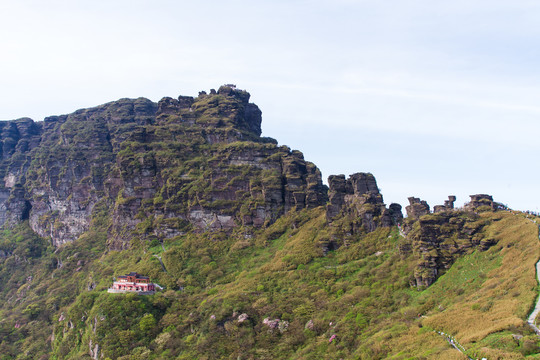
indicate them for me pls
(455, 344)
(401, 233)
(161, 262)
(532, 318)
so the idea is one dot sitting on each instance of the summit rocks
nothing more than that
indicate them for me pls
(358, 198)
(158, 169)
(155, 171)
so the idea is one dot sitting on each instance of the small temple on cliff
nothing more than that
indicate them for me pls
(133, 283)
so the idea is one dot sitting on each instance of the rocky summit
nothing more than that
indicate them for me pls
(174, 230)
(187, 163)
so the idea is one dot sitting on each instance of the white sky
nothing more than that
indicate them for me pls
(433, 97)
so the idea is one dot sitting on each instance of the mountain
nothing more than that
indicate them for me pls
(256, 257)
(197, 163)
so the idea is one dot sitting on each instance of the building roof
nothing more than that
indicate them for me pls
(137, 276)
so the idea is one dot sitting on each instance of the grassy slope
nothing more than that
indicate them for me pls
(358, 293)
(483, 299)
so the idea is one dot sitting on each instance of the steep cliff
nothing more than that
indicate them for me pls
(18, 138)
(437, 239)
(159, 168)
(355, 208)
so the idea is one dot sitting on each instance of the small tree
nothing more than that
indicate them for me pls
(147, 323)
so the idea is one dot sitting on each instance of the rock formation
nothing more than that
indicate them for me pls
(157, 168)
(448, 205)
(416, 208)
(481, 200)
(395, 212)
(439, 238)
(358, 199)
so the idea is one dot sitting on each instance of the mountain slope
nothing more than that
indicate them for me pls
(257, 258)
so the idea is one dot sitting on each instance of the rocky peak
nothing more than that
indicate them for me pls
(18, 136)
(361, 187)
(359, 200)
(364, 183)
(227, 113)
(232, 91)
(394, 210)
(416, 208)
(158, 169)
(170, 106)
(480, 201)
(448, 205)
(185, 102)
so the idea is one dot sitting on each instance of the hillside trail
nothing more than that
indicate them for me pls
(451, 340)
(532, 317)
(401, 232)
(454, 343)
(531, 320)
(161, 262)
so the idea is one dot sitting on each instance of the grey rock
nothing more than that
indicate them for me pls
(358, 198)
(417, 208)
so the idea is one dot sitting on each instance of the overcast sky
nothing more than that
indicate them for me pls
(432, 97)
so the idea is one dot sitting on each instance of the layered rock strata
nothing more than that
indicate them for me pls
(448, 205)
(358, 198)
(417, 208)
(481, 201)
(159, 169)
(438, 239)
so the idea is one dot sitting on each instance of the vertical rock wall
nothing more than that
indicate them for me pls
(160, 169)
(359, 199)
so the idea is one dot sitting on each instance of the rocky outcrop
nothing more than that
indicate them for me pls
(159, 169)
(448, 205)
(342, 191)
(358, 199)
(438, 239)
(417, 208)
(395, 213)
(481, 201)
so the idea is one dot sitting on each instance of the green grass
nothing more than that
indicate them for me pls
(360, 293)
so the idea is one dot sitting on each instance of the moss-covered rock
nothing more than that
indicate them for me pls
(191, 161)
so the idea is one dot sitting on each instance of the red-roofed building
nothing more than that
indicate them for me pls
(133, 282)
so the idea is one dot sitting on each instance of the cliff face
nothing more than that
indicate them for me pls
(159, 169)
(358, 198)
(18, 138)
(437, 239)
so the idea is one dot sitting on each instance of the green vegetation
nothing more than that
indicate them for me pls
(234, 229)
(359, 293)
